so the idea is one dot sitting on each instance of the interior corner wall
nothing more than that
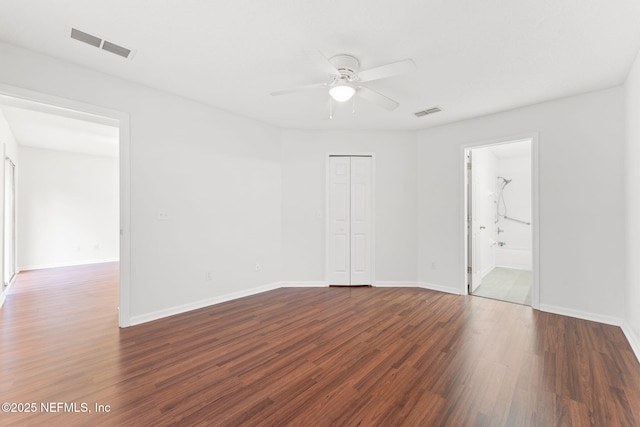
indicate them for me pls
(632, 296)
(304, 155)
(581, 200)
(217, 176)
(68, 208)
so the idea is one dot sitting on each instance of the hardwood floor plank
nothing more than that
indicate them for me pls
(308, 356)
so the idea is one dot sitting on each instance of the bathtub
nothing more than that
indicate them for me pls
(518, 258)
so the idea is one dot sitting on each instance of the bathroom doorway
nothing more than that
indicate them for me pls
(499, 226)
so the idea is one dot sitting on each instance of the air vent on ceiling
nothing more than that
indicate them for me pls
(428, 111)
(85, 37)
(114, 48)
(100, 43)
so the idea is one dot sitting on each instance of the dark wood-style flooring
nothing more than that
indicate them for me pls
(307, 357)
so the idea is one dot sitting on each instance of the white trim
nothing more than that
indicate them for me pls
(3, 295)
(124, 308)
(171, 311)
(396, 284)
(440, 288)
(327, 215)
(535, 222)
(67, 264)
(303, 284)
(584, 315)
(15, 217)
(634, 342)
(535, 210)
(125, 178)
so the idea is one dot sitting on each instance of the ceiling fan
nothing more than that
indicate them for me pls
(345, 78)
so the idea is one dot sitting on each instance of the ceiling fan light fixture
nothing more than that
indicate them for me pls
(342, 92)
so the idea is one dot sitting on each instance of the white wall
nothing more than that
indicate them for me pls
(632, 294)
(230, 183)
(68, 208)
(303, 202)
(581, 182)
(218, 176)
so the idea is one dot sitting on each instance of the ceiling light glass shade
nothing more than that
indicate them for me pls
(342, 92)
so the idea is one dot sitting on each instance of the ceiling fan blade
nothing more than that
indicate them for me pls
(377, 98)
(395, 68)
(298, 89)
(322, 62)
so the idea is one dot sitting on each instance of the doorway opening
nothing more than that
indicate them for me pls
(85, 148)
(499, 226)
(350, 219)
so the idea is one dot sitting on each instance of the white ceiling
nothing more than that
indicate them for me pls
(44, 126)
(473, 57)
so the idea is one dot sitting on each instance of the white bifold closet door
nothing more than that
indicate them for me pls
(350, 221)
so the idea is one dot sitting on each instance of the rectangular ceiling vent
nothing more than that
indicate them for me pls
(100, 43)
(114, 48)
(428, 111)
(85, 37)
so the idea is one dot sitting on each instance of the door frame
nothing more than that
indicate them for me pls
(535, 210)
(327, 238)
(124, 157)
(8, 163)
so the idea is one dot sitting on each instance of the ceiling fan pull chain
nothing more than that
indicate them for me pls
(354, 105)
(330, 109)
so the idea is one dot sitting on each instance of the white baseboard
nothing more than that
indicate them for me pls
(634, 341)
(302, 284)
(397, 284)
(608, 320)
(439, 288)
(3, 296)
(67, 264)
(159, 314)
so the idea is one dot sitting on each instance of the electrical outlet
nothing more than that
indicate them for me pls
(162, 215)
(433, 265)
(208, 276)
(258, 267)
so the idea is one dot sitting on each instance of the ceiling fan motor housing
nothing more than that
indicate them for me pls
(347, 65)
